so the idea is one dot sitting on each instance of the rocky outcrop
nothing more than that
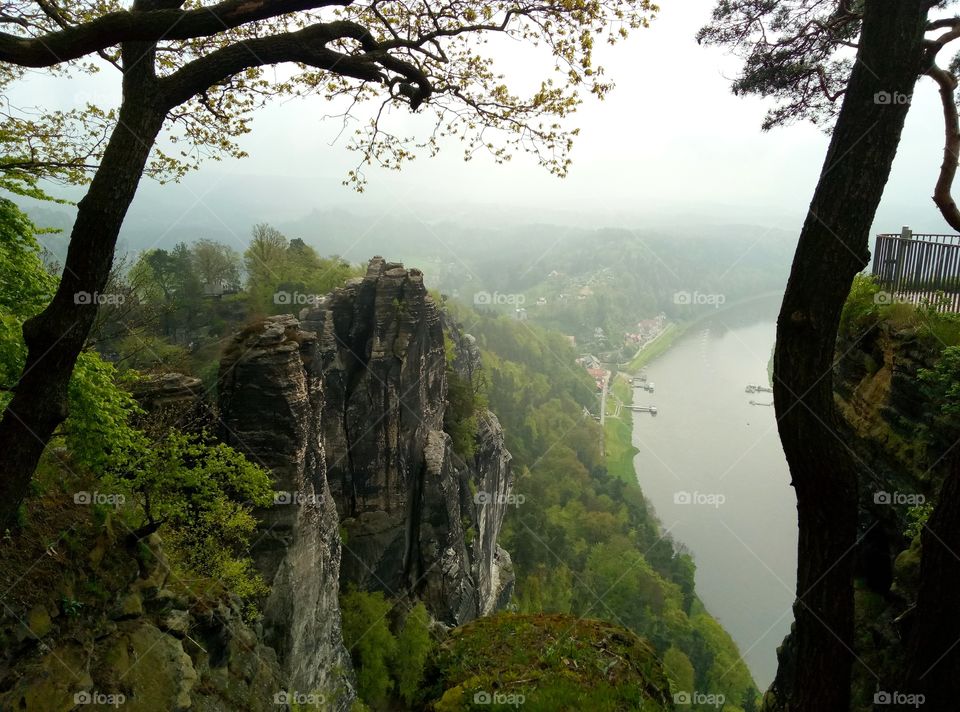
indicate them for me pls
(173, 400)
(419, 519)
(345, 406)
(151, 644)
(271, 397)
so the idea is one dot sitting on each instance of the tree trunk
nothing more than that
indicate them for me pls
(934, 650)
(56, 336)
(833, 247)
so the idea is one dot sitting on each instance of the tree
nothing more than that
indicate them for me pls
(201, 494)
(196, 71)
(218, 265)
(799, 53)
(791, 53)
(413, 647)
(366, 633)
(171, 280)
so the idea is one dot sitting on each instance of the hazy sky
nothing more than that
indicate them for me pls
(670, 141)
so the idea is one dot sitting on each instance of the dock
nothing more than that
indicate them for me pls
(758, 389)
(652, 409)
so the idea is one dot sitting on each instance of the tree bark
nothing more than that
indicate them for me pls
(934, 645)
(832, 248)
(943, 192)
(57, 335)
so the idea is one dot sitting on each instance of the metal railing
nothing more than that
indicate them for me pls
(919, 268)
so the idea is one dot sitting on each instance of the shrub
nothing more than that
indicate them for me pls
(202, 494)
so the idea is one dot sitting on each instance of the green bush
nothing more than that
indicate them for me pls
(201, 495)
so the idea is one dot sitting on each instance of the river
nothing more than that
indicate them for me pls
(713, 468)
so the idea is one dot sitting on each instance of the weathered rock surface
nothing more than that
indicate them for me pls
(174, 400)
(150, 649)
(419, 520)
(271, 397)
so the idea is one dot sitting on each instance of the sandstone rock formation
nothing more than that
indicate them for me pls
(419, 520)
(270, 401)
(346, 408)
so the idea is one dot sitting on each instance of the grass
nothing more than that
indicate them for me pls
(618, 436)
(668, 336)
(867, 306)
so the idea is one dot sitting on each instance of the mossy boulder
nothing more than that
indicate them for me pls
(545, 662)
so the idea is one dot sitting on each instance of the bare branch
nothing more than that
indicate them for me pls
(942, 194)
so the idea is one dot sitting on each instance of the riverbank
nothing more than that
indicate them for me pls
(620, 458)
(707, 439)
(665, 339)
(618, 434)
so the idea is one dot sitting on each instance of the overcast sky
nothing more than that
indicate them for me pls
(671, 142)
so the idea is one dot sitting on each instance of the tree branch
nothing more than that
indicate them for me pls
(942, 194)
(167, 23)
(307, 46)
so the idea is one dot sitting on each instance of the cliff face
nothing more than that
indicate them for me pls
(418, 519)
(346, 407)
(271, 399)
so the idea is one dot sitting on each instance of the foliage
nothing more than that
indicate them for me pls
(101, 408)
(389, 662)
(217, 264)
(610, 279)
(98, 404)
(202, 493)
(199, 491)
(546, 662)
(868, 306)
(792, 51)
(413, 646)
(287, 275)
(366, 633)
(437, 56)
(584, 541)
(465, 399)
(918, 516)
